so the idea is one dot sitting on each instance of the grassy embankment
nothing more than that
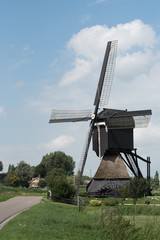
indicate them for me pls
(50, 220)
(9, 192)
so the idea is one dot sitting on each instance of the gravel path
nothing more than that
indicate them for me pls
(14, 206)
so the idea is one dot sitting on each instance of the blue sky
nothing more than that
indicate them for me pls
(50, 57)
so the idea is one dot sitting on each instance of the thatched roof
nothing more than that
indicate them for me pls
(112, 167)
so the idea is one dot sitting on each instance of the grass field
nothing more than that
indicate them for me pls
(9, 192)
(50, 220)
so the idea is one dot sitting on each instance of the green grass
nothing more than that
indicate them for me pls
(50, 220)
(10, 192)
(6, 189)
(56, 221)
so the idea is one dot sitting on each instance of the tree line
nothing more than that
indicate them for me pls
(21, 174)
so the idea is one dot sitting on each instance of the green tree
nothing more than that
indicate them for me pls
(124, 192)
(56, 160)
(42, 183)
(60, 184)
(24, 172)
(138, 187)
(40, 170)
(12, 180)
(155, 181)
(11, 167)
(1, 166)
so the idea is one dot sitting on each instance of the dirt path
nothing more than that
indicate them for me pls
(14, 206)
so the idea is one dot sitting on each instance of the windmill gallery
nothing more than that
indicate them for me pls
(111, 131)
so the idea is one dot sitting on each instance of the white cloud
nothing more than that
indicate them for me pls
(58, 143)
(151, 134)
(82, 67)
(2, 111)
(136, 41)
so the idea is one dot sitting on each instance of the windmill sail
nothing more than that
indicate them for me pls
(58, 116)
(116, 119)
(107, 74)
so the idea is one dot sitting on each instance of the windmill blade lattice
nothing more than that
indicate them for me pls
(58, 116)
(84, 156)
(107, 74)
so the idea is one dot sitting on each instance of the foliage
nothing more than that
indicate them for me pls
(20, 190)
(11, 179)
(138, 187)
(42, 183)
(14, 181)
(119, 228)
(155, 181)
(40, 170)
(77, 176)
(24, 172)
(1, 166)
(111, 203)
(95, 203)
(106, 203)
(55, 160)
(114, 203)
(60, 184)
(11, 167)
(156, 192)
(124, 192)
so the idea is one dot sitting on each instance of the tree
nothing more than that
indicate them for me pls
(138, 187)
(124, 192)
(12, 180)
(55, 160)
(60, 184)
(1, 166)
(11, 167)
(24, 172)
(155, 181)
(42, 183)
(40, 170)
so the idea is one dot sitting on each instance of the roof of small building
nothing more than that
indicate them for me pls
(112, 167)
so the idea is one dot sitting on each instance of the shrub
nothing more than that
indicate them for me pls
(106, 203)
(114, 203)
(95, 203)
(86, 203)
(42, 183)
(60, 184)
(156, 192)
(119, 228)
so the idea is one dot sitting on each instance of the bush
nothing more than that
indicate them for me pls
(106, 203)
(60, 184)
(156, 192)
(119, 228)
(114, 203)
(86, 203)
(95, 203)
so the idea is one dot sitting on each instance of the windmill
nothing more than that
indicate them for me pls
(111, 130)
